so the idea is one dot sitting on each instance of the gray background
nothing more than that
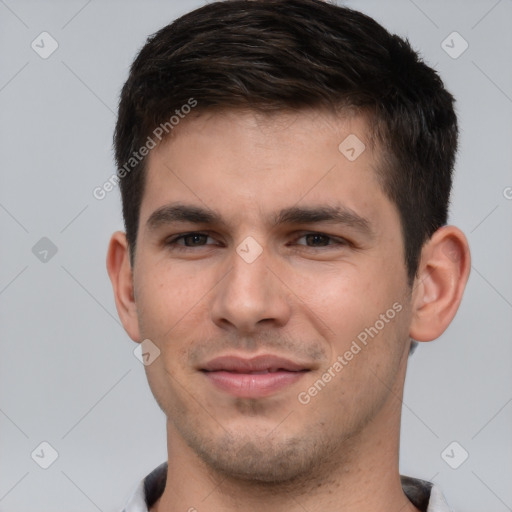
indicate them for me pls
(68, 375)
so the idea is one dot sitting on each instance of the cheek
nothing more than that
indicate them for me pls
(346, 304)
(363, 366)
(174, 310)
(343, 296)
(165, 299)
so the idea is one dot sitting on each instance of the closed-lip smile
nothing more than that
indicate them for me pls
(255, 377)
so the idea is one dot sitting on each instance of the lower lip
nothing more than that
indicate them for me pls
(251, 385)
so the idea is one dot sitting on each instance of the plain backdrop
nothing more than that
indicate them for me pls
(68, 376)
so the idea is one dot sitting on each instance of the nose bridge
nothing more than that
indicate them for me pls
(249, 293)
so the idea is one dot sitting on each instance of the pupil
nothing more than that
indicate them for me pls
(318, 238)
(196, 239)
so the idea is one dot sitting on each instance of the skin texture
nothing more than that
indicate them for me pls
(305, 298)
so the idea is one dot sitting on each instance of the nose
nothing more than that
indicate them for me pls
(251, 296)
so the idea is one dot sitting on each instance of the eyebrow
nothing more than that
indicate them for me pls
(178, 212)
(335, 215)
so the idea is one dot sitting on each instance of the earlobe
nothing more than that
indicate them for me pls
(121, 275)
(438, 288)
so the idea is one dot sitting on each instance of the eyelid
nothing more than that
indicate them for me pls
(337, 239)
(181, 236)
(334, 241)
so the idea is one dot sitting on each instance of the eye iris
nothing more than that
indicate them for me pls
(195, 239)
(314, 238)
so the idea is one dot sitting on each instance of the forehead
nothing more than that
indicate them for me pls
(246, 164)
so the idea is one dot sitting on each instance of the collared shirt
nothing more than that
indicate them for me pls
(422, 494)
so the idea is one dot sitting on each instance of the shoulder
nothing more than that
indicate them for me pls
(424, 495)
(148, 491)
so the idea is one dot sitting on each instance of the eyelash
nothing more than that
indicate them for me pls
(172, 242)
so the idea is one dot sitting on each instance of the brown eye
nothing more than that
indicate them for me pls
(314, 240)
(194, 239)
(317, 240)
(188, 240)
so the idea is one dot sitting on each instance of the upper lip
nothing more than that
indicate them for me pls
(271, 363)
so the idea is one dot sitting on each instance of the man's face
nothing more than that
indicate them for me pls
(271, 282)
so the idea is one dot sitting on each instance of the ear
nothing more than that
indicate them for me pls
(440, 281)
(121, 275)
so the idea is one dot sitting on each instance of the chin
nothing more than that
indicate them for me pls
(263, 458)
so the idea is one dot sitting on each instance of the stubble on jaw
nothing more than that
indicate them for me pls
(271, 465)
(269, 462)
